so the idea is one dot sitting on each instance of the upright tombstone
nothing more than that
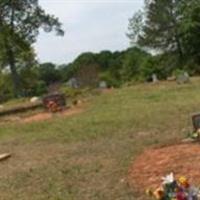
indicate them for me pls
(103, 85)
(196, 121)
(73, 83)
(154, 78)
(183, 78)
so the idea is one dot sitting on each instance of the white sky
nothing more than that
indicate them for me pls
(90, 25)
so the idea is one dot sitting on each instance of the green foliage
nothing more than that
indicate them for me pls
(149, 67)
(162, 65)
(113, 67)
(104, 58)
(190, 29)
(66, 71)
(135, 27)
(20, 22)
(133, 61)
(171, 28)
(87, 58)
(178, 72)
(39, 89)
(48, 73)
(71, 92)
(6, 87)
(110, 80)
(31, 83)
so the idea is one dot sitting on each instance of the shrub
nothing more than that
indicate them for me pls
(6, 88)
(110, 80)
(40, 88)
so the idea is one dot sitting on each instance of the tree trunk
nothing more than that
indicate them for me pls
(176, 34)
(14, 74)
(179, 48)
(11, 54)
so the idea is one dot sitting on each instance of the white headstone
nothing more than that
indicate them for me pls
(103, 85)
(154, 78)
(72, 83)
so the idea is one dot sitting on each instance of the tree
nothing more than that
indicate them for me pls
(161, 28)
(132, 63)
(66, 71)
(87, 58)
(135, 27)
(191, 29)
(20, 22)
(48, 73)
(104, 58)
(6, 89)
(88, 75)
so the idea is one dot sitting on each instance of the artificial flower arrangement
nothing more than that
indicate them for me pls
(172, 189)
(195, 135)
(53, 106)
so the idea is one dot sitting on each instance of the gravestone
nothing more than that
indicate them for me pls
(103, 85)
(73, 83)
(196, 121)
(183, 78)
(154, 78)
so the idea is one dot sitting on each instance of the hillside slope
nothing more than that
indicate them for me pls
(87, 156)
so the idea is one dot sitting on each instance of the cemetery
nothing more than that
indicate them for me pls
(37, 109)
(105, 108)
(146, 150)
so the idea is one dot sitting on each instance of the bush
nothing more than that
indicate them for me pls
(110, 80)
(71, 92)
(6, 88)
(178, 72)
(153, 66)
(40, 88)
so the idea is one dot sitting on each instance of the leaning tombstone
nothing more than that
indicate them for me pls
(103, 85)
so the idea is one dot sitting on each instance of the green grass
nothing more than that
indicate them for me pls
(16, 102)
(87, 156)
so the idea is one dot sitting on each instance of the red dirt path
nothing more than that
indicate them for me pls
(148, 169)
(47, 115)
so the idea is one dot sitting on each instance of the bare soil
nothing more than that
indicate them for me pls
(149, 167)
(47, 115)
(41, 115)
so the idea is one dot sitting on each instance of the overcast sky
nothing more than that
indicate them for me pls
(90, 25)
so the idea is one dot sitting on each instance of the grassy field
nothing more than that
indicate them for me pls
(87, 156)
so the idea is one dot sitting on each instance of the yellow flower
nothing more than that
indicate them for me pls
(159, 193)
(183, 181)
(149, 192)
